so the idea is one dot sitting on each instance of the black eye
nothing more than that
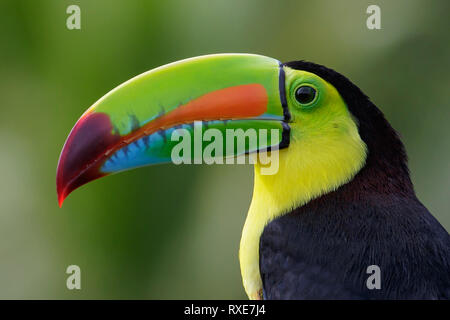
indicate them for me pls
(305, 94)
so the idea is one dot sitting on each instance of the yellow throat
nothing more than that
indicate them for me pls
(316, 162)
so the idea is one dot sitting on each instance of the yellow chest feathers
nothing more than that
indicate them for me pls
(315, 163)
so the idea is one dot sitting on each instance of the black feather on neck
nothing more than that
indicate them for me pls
(322, 249)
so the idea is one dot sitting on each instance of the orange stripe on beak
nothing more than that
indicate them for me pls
(237, 102)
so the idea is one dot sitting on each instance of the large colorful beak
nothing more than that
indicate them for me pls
(131, 126)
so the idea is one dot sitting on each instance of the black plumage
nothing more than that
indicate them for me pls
(322, 249)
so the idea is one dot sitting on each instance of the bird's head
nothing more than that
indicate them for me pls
(324, 137)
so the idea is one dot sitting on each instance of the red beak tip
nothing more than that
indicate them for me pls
(61, 198)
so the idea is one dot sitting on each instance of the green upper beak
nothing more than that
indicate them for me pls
(131, 126)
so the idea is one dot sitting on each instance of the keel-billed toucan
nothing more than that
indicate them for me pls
(340, 201)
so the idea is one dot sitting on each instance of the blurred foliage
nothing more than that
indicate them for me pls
(173, 231)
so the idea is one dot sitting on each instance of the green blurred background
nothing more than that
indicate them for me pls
(173, 231)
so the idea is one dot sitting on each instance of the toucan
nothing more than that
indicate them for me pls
(339, 208)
